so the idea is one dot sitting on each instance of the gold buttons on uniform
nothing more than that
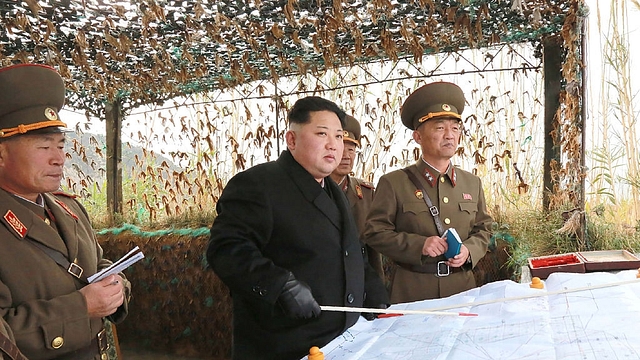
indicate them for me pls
(57, 342)
(104, 356)
(447, 221)
(442, 179)
(445, 200)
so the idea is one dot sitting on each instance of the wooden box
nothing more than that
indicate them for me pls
(608, 260)
(543, 266)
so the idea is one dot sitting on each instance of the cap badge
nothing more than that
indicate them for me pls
(50, 114)
(446, 107)
(346, 133)
(419, 194)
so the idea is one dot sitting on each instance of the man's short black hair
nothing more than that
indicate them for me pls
(299, 113)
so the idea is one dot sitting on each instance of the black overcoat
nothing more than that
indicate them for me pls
(274, 218)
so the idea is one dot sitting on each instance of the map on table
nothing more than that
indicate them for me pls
(599, 323)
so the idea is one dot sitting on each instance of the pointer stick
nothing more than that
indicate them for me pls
(394, 312)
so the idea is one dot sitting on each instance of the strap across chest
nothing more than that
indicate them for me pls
(432, 208)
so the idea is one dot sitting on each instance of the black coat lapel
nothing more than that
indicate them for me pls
(311, 189)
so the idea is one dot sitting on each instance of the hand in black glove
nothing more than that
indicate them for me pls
(296, 300)
(372, 316)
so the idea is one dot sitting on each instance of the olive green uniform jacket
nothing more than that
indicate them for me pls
(38, 298)
(360, 195)
(399, 221)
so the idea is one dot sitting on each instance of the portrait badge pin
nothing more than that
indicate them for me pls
(419, 194)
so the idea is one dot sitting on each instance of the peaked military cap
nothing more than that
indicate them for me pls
(31, 96)
(430, 101)
(351, 130)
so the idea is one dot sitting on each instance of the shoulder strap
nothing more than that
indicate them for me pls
(72, 268)
(10, 349)
(432, 209)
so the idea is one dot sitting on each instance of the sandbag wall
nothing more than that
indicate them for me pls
(179, 305)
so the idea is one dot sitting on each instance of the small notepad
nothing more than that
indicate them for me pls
(453, 243)
(129, 259)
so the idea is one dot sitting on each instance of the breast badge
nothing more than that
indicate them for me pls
(419, 194)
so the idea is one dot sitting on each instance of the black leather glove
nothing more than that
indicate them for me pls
(296, 300)
(372, 316)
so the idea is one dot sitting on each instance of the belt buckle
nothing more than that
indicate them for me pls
(442, 273)
(75, 270)
(103, 341)
(434, 211)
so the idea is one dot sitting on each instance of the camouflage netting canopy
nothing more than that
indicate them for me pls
(145, 51)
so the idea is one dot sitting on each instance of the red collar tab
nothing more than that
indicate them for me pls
(66, 208)
(15, 223)
(430, 177)
(345, 184)
(433, 178)
(453, 176)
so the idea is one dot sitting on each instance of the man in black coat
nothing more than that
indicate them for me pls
(285, 242)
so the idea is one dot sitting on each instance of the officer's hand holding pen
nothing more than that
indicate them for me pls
(434, 246)
(104, 297)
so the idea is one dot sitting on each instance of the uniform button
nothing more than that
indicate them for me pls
(259, 290)
(47, 221)
(445, 200)
(363, 250)
(350, 298)
(442, 179)
(346, 253)
(447, 221)
(104, 356)
(57, 342)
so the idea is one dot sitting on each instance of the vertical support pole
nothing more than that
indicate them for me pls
(552, 68)
(113, 111)
(276, 98)
(582, 234)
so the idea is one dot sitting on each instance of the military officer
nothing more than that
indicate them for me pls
(359, 192)
(403, 226)
(48, 245)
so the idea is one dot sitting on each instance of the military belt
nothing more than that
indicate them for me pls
(439, 269)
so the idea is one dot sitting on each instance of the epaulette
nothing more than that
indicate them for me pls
(368, 185)
(62, 193)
